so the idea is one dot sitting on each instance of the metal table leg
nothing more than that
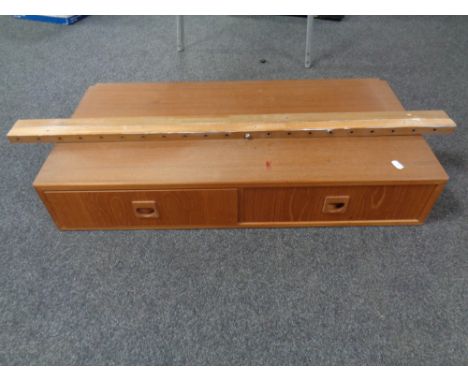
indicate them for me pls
(180, 33)
(308, 59)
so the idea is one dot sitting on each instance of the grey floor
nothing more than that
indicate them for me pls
(362, 295)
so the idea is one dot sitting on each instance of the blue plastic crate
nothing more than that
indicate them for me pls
(64, 20)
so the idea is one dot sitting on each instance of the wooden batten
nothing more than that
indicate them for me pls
(234, 126)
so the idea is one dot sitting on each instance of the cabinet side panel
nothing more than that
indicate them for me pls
(431, 202)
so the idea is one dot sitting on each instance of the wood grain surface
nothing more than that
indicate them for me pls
(208, 163)
(306, 203)
(220, 98)
(303, 125)
(115, 209)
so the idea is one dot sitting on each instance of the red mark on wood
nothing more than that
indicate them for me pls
(268, 164)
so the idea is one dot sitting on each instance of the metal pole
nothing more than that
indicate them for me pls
(308, 59)
(180, 33)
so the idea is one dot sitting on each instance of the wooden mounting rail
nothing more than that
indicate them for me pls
(236, 126)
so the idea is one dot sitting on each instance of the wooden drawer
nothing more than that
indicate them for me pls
(336, 204)
(142, 209)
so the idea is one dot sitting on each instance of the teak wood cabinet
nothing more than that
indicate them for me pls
(271, 182)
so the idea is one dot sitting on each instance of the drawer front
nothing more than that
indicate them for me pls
(346, 203)
(140, 209)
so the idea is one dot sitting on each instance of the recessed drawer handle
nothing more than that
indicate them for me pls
(145, 209)
(335, 204)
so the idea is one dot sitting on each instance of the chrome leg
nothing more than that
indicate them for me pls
(308, 59)
(180, 33)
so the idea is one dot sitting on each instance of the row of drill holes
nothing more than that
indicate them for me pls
(352, 132)
(226, 135)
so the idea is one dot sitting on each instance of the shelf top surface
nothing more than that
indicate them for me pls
(220, 98)
(217, 162)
